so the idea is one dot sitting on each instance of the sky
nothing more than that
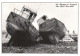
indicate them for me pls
(67, 15)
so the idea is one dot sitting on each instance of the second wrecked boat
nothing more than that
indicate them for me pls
(51, 30)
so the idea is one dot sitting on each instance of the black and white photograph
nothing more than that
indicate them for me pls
(40, 27)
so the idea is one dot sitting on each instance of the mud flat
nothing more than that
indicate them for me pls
(70, 47)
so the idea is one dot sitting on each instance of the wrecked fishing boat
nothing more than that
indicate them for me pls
(19, 26)
(51, 30)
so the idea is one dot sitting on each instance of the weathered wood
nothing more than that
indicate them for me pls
(21, 30)
(52, 28)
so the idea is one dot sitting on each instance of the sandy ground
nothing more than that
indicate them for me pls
(64, 47)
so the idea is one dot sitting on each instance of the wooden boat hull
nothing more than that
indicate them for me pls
(22, 32)
(52, 30)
